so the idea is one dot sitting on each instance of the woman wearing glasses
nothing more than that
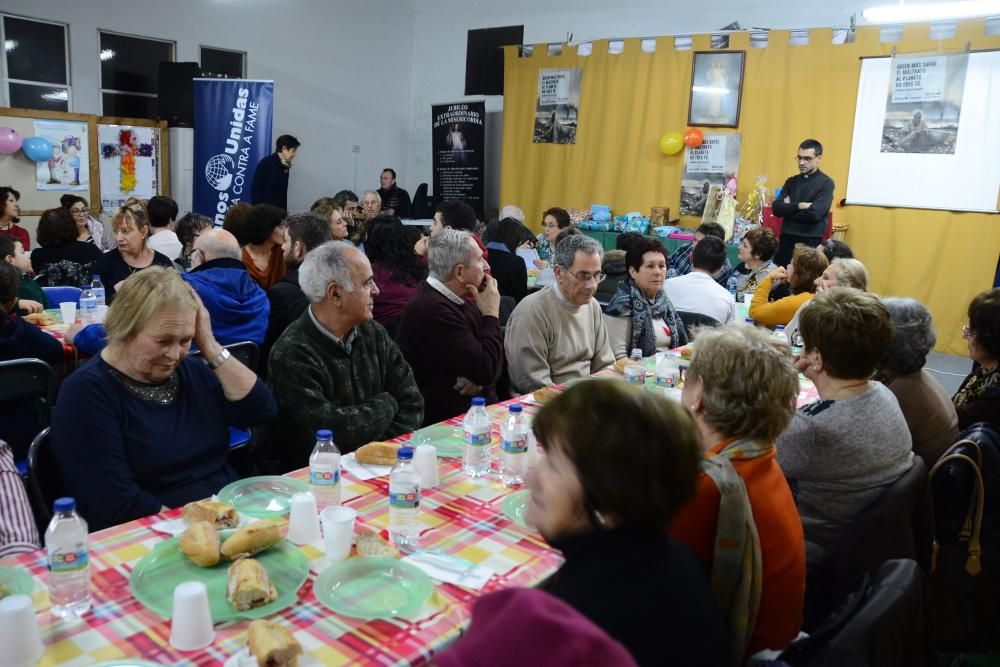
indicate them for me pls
(554, 221)
(640, 315)
(978, 399)
(88, 229)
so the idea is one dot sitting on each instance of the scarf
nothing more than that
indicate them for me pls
(629, 301)
(736, 564)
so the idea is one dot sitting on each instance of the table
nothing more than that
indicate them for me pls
(609, 239)
(461, 516)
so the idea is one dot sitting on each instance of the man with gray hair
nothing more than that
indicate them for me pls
(334, 368)
(558, 333)
(371, 204)
(450, 330)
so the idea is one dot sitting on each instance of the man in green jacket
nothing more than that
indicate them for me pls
(334, 367)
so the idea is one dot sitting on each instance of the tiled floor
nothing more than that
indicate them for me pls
(949, 370)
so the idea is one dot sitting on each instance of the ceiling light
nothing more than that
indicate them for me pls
(107, 54)
(932, 11)
(56, 96)
(9, 44)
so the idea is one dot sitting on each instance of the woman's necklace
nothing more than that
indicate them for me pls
(164, 394)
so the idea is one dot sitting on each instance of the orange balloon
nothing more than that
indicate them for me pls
(693, 138)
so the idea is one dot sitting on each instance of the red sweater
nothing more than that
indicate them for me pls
(782, 544)
(18, 234)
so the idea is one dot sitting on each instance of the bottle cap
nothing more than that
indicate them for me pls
(478, 401)
(404, 453)
(516, 408)
(324, 434)
(780, 327)
(64, 504)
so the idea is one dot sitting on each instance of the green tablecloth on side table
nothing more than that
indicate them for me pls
(608, 240)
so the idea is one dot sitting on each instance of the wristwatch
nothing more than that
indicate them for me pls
(219, 360)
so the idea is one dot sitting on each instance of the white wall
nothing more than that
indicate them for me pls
(341, 70)
(440, 34)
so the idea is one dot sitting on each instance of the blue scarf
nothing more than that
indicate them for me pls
(629, 301)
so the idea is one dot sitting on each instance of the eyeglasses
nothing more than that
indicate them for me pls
(805, 158)
(79, 211)
(585, 277)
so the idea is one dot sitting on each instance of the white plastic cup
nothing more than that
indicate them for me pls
(338, 531)
(102, 312)
(425, 460)
(303, 521)
(191, 621)
(19, 634)
(68, 311)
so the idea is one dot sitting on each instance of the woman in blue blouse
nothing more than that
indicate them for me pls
(141, 427)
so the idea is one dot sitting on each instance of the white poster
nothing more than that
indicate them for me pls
(129, 163)
(68, 170)
(918, 79)
(558, 106)
(714, 164)
(708, 158)
(924, 104)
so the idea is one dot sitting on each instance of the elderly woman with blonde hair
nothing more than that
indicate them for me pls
(142, 427)
(842, 272)
(741, 390)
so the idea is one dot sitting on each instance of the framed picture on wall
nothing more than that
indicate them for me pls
(716, 88)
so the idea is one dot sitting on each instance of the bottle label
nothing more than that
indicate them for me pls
(516, 446)
(69, 561)
(635, 375)
(668, 379)
(406, 499)
(477, 439)
(324, 475)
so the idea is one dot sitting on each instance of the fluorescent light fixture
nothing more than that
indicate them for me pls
(9, 44)
(931, 11)
(107, 54)
(56, 96)
(711, 90)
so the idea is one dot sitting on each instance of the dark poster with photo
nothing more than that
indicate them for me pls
(458, 145)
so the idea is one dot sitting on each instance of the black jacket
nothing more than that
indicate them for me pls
(510, 271)
(270, 182)
(815, 188)
(615, 271)
(397, 199)
(288, 302)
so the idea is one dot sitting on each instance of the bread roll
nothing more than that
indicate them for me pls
(272, 644)
(370, 543)
(200, 543)
(220, 514)
(544, 395)
(249, 585)
(251, 539)
(378, 453)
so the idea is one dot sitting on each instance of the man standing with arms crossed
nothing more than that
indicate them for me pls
(804, 204)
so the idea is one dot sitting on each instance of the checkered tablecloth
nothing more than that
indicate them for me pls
(462, 516)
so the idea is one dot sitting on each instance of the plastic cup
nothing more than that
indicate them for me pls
(303, 522)
(425, 460)
(338, 532)
(191, 621)
(19, 634)
(102, 312)
(68, 311)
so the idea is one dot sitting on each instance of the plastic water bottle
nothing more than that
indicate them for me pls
(88, 306)
(635, 372)
(731, 286)
(324, 469)
(478, 435)
(404, 501)
(69, 560)
(97, 289)
(779, 333)
(796, 343)
(667, 372)
(513, 447)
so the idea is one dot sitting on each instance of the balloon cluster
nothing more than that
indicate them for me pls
(671, 143)
(36, 149)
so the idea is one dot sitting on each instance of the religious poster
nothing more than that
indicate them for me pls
(558, 106)
(924, 103)
(68, 170)
(458, 143)
(713, 163)
(129, 163)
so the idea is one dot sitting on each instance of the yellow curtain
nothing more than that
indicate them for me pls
(790, 93)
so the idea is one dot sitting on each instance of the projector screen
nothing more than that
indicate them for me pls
(967, 180)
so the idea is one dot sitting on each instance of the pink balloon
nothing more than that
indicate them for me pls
(10, 141)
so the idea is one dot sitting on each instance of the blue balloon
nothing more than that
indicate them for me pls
(37, 149)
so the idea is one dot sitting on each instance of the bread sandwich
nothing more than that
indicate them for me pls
(40, 319)
(249, 585)
(370, 543)
(251, 539)
(200, 543)
(544, 395)
(378, 453)
(220, 514)
(272, 645)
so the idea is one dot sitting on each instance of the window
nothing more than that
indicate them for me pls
(130, 74)
(223, 63)
(35, 64)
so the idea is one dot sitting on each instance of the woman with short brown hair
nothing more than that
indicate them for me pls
(756, 250)
(806, 266)
(61, 259)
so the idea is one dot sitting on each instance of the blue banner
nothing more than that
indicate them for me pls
(232, 134)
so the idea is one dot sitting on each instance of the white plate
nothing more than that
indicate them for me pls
(243, 658)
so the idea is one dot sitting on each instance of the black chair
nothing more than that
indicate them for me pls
(33, 382)
(44, 482)
(247, 352)
(881, 624)
(692, 320)
(420, 208)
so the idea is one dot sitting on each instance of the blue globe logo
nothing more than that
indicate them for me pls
(218, 171)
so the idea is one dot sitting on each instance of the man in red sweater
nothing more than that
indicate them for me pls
(450, 330)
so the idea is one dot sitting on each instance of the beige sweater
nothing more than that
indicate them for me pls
(549, 341)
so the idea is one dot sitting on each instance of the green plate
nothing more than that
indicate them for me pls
(515, 505)
(371, 588)
(448, 440)
(262, 497)
(16, 581)
(155, 576)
